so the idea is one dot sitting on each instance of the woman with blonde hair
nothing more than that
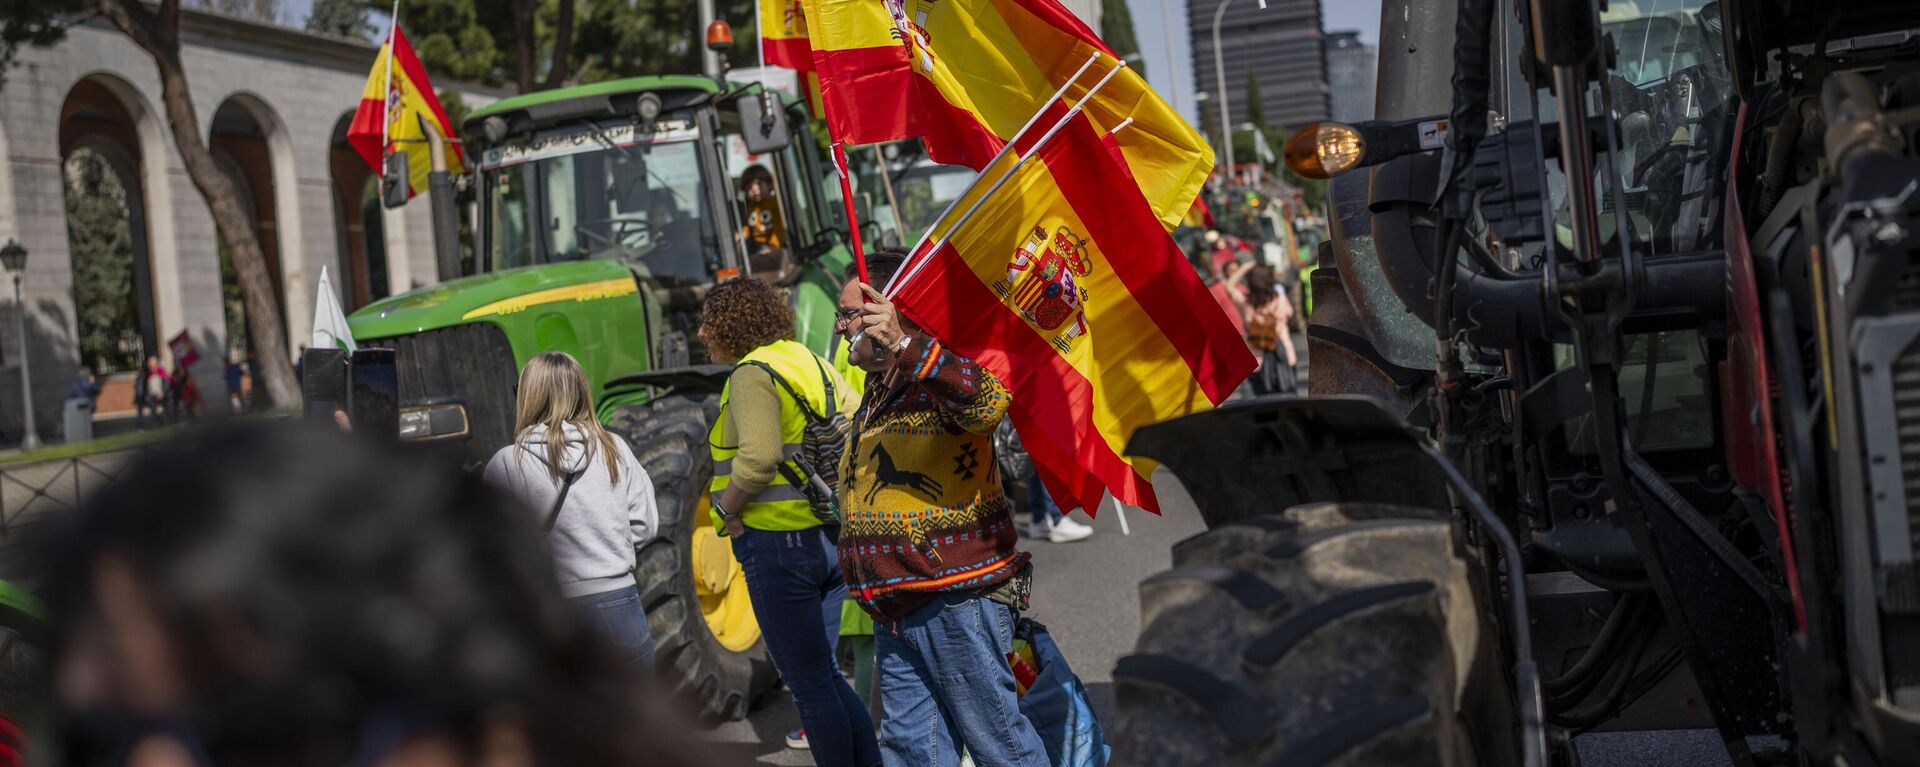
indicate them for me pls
(594, 501)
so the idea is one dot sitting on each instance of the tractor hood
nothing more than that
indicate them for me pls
(476, 298)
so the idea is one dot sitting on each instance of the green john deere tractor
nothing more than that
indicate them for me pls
(606, 211)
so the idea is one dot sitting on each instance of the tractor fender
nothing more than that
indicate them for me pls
(690, 378)
(1261, 457)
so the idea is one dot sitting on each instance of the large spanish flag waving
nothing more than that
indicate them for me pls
(398, 92)
(1071, 294)
(966, 75)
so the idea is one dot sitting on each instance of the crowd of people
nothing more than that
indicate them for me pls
(1257, 297)
(264, 594)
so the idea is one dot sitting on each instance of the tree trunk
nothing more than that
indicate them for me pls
(158, 34)
(562, 46)
(523, 44)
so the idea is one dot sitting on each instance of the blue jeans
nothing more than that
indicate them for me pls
(619, 616)
(793, 579)
(944, 683)
(1040, 504)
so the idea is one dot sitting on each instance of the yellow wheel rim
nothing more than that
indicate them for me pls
(721, 586)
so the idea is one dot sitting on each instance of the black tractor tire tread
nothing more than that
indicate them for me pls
(669, 437)
(1363, 659)
(1358, 729)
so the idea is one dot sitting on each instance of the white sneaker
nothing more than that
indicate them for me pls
(1039, 531)
(1067, 531)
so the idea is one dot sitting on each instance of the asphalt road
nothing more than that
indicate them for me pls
(1086, 594)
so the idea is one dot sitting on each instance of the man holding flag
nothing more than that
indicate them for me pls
(927, 544)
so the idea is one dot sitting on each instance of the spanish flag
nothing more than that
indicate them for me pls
(784, 43)
(398, 90)
(1073, 296)
(966, 75)
(783, 35)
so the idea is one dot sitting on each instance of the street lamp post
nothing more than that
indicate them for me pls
(14, 257)
(1220, 80)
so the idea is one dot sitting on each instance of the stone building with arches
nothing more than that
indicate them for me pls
(274, 105)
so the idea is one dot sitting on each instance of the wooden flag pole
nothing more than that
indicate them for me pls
(853, 214)
(899, 281)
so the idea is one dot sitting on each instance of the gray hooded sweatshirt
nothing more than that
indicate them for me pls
(602, 522)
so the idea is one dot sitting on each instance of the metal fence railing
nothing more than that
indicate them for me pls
(30, 492)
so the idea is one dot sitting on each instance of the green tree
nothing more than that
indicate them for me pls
(537, 44)
(155, 29)
(1116, 28)
(102, 246)
(340, 18)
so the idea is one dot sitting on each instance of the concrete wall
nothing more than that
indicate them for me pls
(295, 85)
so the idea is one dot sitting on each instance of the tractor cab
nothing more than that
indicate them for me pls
(685, 181)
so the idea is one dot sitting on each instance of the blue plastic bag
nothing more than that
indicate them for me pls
(1057, 705)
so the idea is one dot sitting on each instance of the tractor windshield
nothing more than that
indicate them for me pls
(1670, 94)
(592, 191)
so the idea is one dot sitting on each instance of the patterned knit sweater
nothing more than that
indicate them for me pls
(922, 508)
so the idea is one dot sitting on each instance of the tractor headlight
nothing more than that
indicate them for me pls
(421, 423)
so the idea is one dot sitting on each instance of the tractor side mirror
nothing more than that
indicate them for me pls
(763, 124)
(394, 180)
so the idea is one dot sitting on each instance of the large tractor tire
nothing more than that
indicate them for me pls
(1343, 634)
(707, 644)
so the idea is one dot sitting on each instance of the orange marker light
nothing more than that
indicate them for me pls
(1324, 150)
(719, 35)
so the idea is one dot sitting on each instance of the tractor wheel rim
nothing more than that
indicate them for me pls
(721, 585)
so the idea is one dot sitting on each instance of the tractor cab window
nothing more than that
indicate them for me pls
(1671, 95)
(589, 190)
(774, 211)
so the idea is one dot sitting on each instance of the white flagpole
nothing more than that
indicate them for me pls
(1095, 56)
(899, 281)
(386, 88)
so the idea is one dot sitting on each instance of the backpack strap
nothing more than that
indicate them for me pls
(805, 409)
(553, 514)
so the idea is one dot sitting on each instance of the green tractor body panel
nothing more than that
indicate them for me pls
(593, 310)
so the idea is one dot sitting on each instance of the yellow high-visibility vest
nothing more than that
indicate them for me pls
(781, 506)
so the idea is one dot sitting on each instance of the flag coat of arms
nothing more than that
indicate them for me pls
(966, 75)
(399, 94)
(1065, 286)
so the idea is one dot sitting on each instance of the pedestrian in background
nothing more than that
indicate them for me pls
(1046, 521)
(273, 596)
(235, 374)
(1270, 332)
(185, 395)
(789, 555)
(152, 391)
(84, 386)
(594, 502)
(929, 546)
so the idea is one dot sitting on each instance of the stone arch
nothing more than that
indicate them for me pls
(359, 222)
(250, 144)
(105, 116)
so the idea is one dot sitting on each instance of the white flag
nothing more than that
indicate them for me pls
(330, 329)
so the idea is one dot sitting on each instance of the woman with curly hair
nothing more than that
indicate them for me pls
(788, 553)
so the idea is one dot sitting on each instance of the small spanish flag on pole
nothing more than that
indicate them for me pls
(396, 109)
